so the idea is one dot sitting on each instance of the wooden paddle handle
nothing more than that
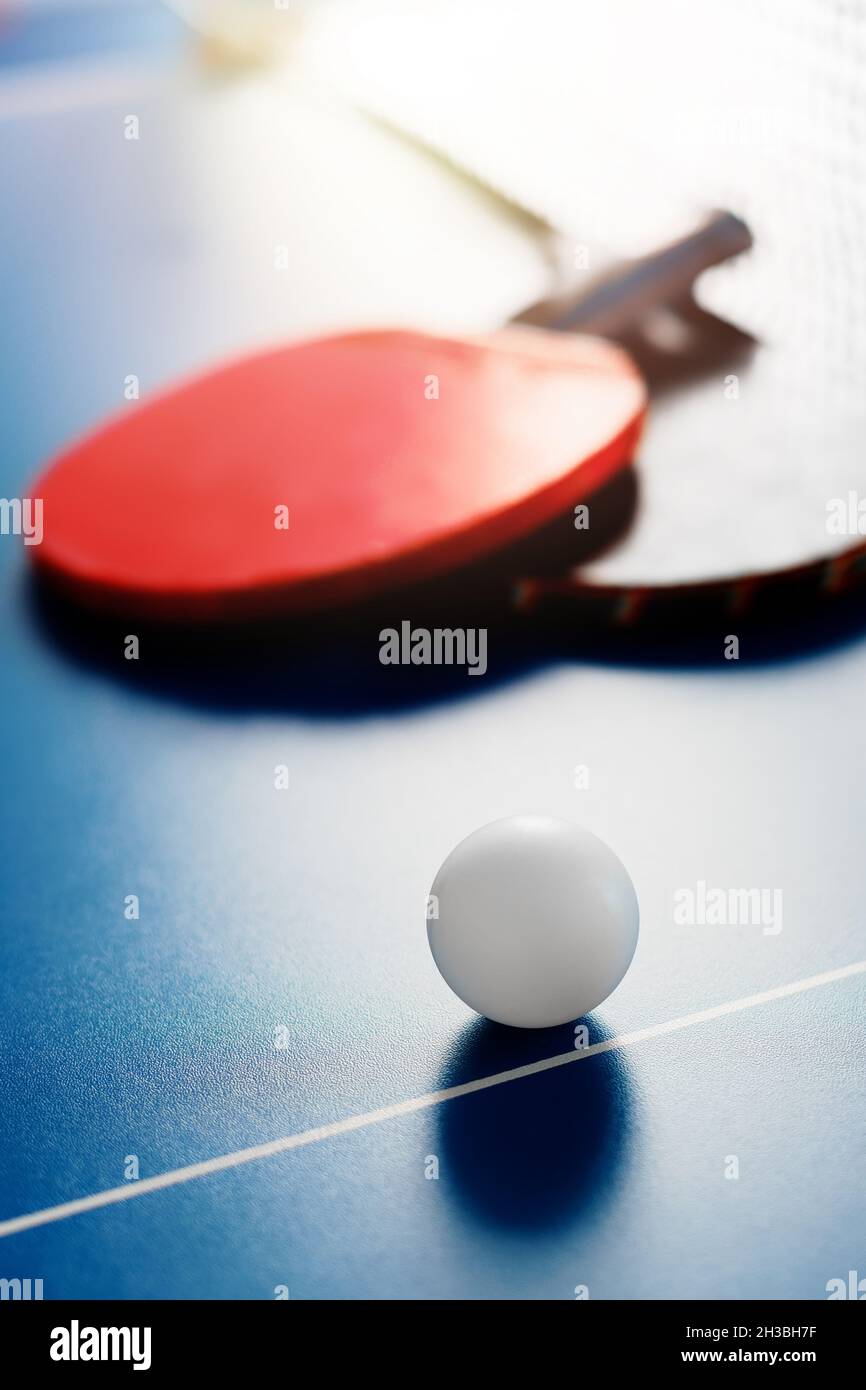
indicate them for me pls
(615, 301)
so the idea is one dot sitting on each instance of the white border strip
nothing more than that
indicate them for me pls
(175, 1176)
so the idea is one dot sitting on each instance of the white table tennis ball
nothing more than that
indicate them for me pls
(532, 921)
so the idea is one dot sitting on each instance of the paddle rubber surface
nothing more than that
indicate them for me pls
(333, 469)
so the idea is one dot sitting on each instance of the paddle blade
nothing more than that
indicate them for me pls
(332, 470)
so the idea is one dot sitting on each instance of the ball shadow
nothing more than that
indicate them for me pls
(543, 1151)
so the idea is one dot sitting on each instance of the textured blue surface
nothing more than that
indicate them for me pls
(304, 909)
(37, 34)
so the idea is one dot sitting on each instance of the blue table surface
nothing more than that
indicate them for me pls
(33, 34)
(303, 909)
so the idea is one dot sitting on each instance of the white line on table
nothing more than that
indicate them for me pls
(408, 1107)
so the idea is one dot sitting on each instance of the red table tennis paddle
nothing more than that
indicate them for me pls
(333, 470)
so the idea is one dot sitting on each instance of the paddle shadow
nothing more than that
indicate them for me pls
(327, 665)
(329, 668)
